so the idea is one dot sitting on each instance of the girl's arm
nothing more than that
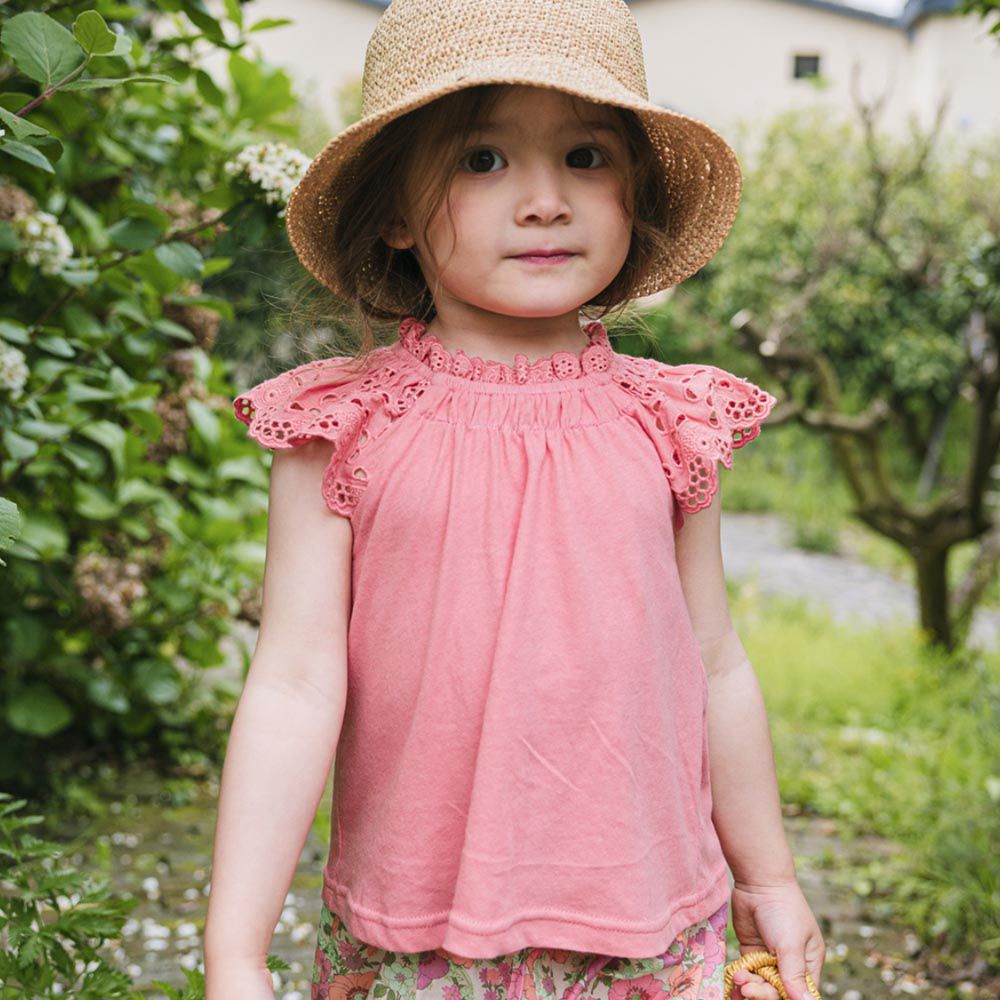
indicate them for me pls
(746, 806)
(287, 724)
(769, 910)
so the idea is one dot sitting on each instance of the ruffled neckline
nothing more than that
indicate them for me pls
(560, 366)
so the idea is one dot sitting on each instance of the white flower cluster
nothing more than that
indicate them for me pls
(13, 370)
(274, 167)
(44, 243)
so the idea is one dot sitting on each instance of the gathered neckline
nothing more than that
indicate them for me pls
(561, 366)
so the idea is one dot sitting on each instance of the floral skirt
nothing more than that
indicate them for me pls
(692, 968)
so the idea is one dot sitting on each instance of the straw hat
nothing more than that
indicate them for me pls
(423, 49)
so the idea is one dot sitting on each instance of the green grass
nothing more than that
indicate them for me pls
(892, 739)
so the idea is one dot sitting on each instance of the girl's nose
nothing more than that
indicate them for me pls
(543, 196)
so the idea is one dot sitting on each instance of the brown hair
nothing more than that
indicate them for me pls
(397, 287)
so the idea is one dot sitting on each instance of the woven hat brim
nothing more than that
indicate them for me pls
(702, 171)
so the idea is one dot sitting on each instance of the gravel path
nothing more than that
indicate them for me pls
(758, 546)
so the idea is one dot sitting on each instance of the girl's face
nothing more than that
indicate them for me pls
(529, 179)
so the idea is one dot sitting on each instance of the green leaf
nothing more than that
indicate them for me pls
(86, 460)
(139, 491)
(131, 309)
(46, 430)
(172, 329)
(198, 12)
(235, 12)
(10, 522)
(17, 447)
(136, 208)
(216, 265)
(205, 421)
(208, 89)
(111, 436)
(213, 302)
(157, 680)
(93, 34)
(106, 692)
(37, 711)
(97, 82)
(59, 346)
(180, 469)
(134, 234)
(28, 154)
(265, 24)
(112, 150)
(202, 648)
(82, 324)
(45, 533)
(41, 47)
(245, 469)
(81, 392)
(13, 332)
(210, 137)
(21, 127)
(263, 91)
(97, 234)
(94, 503)
(78, 277)
(180, 257)
(13, 100)
(8, 237)
(25, 638)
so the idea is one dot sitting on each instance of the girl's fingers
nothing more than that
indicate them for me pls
(759, 991)
(754, 987)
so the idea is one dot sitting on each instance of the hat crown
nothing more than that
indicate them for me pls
(422, 46)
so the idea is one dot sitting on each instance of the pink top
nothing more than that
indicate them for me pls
(524, 755)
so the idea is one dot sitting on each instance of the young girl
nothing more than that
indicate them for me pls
(493, 588)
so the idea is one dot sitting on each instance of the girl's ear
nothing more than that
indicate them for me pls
(397, 234)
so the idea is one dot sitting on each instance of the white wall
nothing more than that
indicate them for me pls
(727, 62)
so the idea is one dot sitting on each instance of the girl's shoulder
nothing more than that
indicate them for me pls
(339, 400)
(696, 415)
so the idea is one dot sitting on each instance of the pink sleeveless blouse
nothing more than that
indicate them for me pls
(524, 755)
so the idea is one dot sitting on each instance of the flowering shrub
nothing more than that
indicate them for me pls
(131, 508)
(273, 167)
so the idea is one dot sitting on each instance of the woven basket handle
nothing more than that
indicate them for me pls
(766, 966)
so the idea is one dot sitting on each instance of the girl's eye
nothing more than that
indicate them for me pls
(584, 149)
(478, 158)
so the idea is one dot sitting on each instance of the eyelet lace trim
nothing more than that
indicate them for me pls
(331, 399)
(703, 413)
(428, 349)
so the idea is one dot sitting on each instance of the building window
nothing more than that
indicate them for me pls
(806, 66)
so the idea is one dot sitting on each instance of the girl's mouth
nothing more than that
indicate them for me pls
(556, 258)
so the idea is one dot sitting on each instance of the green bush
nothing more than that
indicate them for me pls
(131, 177)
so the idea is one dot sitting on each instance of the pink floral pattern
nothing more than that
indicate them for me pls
(692, 968)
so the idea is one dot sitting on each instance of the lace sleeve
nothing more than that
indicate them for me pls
(330, 400)
(696, 415)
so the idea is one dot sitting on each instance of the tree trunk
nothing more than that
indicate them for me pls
(932, 590)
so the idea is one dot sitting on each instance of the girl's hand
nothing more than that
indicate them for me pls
(237, 980)
(776, 917)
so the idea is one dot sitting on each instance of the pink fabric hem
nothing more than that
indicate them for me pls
(560, 931)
